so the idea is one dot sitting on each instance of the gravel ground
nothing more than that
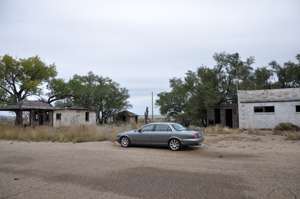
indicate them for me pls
(228, 166)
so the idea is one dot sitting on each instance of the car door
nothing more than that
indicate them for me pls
(161, 135)
(143, 136)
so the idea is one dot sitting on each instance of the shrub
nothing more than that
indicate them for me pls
(293, 135)
(287, 127)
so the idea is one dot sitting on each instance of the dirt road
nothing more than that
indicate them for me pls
(228, 167)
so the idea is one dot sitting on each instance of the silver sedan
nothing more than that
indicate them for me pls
(172, 135)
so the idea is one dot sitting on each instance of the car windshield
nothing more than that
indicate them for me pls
(178, 127)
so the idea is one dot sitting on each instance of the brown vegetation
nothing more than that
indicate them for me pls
(286, 127)
(291, 131)
(65, 134)
(293, 135)
(221, 130)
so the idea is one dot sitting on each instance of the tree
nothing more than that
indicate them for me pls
(20, 78)
(172, 103)
(262, 78)
(58, 90)
(203, 94)
(288, 75)
(193, 95)
(99, 93)
(233, 74)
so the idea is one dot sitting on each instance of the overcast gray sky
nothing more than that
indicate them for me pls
(142, 44)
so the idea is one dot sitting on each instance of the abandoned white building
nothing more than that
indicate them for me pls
(267, 108)
(36, 113)
(70, 116)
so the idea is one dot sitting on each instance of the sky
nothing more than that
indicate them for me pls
(142, 44)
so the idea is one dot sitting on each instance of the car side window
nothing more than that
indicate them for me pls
(162, 127)
(148, 128)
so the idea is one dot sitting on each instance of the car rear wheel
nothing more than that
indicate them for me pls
(174, 144)
(125, 141)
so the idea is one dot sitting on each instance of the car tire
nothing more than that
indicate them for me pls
(174, 144)
(124, 141)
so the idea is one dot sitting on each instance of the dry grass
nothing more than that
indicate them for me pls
(295, 135)
(289, 135)
(220, 130)
(286, 127)
(259, 132)
(289, 130)
(64, 134)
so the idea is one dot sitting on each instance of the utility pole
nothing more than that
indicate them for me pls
(152, 106)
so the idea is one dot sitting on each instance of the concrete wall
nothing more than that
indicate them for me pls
(73, 117)
(284, 112)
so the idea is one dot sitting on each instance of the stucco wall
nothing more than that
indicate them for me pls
(284, 112)
(73, 117)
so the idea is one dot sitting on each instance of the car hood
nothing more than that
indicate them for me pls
(127, 132)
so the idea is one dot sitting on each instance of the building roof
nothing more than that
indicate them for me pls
(70, 108)
(270, 95)
(27, 105)
(127, 113)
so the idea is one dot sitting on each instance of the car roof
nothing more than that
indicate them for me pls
(162, 123)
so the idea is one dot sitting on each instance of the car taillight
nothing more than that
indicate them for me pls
(195, 135)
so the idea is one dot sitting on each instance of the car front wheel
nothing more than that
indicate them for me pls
(174, 144)
(125, 142)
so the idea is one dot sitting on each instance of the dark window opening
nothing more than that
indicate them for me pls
(269, 109)
(58, 116)
(228, 118)
(298, 108)
(47, 118)
(87, 116)
(264, 109)
(217, 116)
(258, 109)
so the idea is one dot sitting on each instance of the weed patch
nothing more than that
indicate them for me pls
(65, 134)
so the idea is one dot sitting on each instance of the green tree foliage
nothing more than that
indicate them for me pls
(202, 93)
(233, 74)
(288, 75)
(191, 97)
(58, 90)
(173, 102)
(20, 78)
(98, 93)
(262, 78)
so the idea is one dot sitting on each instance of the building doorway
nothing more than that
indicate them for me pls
(217, 116)
(41, 118)
(228, 118)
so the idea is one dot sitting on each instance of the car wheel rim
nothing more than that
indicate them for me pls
(174, 145)
(124, 142)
